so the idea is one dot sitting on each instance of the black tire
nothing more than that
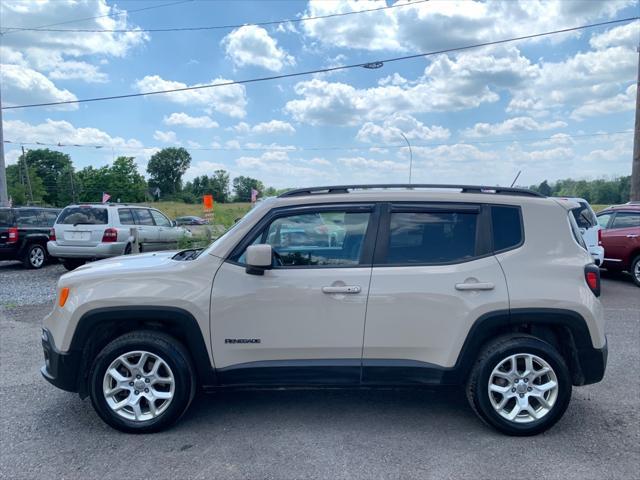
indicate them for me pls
(491, 356)
(35, 256)
(635, 270)
(72, 264)
(172, 352)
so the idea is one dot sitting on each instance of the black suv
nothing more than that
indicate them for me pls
(24, 233)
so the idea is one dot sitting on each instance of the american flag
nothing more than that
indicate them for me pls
(254, 195)
(105, 197)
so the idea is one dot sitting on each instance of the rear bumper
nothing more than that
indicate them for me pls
(593, 363)
(102, 250)
(59, 369)
(597, 253)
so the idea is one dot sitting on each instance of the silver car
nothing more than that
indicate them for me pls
(93, 231)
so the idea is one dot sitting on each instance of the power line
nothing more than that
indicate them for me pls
(327, 148)
(378, 63)
(42, 28)
(214, 27)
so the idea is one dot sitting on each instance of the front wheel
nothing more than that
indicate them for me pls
(520, 385)
(142, 382)
(35, 256)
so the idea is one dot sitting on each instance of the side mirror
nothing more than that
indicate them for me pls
(259, 258)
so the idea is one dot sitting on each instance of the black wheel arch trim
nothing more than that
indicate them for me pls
(182, 324)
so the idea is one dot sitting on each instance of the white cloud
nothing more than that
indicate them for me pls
(58, 54)
(393, 127)
(203, 167)
(448, 23)
(447, 84)
(252, 45)
(60, 131)
(166, 137)
(22, 85)
(229, 99)
(618, 103)
(623, 35)
(188, 121)
(270, 127)
(369, 163)
(512, 125)
(319, 161)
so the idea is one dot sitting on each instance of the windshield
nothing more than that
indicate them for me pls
(83, 216)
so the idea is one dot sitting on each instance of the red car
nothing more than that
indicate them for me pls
(621, 238)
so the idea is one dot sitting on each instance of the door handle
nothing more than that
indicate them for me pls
(342, 289)
(475, 286)
(631, 235)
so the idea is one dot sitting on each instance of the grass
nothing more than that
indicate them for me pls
(224, 213)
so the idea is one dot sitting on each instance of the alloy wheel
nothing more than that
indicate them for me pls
(36, 257)
(138, 386)
(523, 388)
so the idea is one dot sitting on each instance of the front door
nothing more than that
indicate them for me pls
(147, 230)
(301, 322)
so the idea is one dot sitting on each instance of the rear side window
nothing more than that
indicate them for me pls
(6, 218)
(626, 220)
(584, 216)
(126, 217)
(27, 218)
(431, 238)
(84, 216)
(507, 227)
(143, 217)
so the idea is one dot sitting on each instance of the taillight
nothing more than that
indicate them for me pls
(13, 235)
(110, 235)
(52, 234)
(599, 236)
(592, 277)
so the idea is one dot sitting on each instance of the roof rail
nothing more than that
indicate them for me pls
(333, 189)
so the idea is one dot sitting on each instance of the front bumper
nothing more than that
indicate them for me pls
(101, 250)
(593, 363)
(60, 368)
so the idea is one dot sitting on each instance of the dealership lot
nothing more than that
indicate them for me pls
(47, 433)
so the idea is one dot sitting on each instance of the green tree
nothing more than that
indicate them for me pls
(125, 182)
(242, 186)
(544, 188)
(166, 169)
(17, 185)
(50, 166)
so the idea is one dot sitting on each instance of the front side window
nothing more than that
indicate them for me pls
(626, 220)
(83, 216)
(431, 238)
(331, 238)
(160, 219)
(143, 217)
(603, 220)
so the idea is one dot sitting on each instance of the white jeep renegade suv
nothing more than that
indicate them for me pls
(417, 285)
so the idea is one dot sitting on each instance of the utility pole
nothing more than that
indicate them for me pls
(635, 165)
(26, 171)
(4, 193)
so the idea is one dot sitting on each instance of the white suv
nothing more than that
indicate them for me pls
(421, 285)
(93, 231)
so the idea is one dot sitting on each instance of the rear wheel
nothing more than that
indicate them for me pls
(520, 385)
(35, 256)
(142, 382)
(72, 264)
(635, 270)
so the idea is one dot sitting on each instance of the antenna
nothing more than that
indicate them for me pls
(514, 180)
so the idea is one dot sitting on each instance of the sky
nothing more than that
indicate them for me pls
(555, 107)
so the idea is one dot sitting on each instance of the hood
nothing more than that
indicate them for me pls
(124, 264)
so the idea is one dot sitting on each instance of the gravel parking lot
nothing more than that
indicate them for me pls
(47, 433)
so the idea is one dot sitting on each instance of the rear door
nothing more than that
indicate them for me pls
(621, 238)
(433, 277)
(81, 226)
(147, 230)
